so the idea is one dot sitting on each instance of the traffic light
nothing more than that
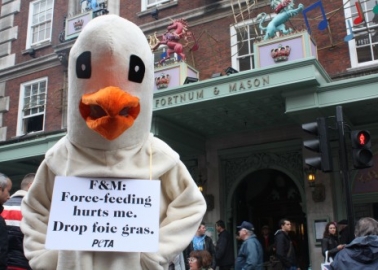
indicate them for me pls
(361, 149)
(320, 145)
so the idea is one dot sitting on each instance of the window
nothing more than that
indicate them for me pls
(363, 48)
(161, 52)
(40, 22)
(32, 106)
(146, 4)
(98, 7)
(242, 38)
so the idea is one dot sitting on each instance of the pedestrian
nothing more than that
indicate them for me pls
(250, 255)
(344, 235)
(5, 188)
(362, 252)
(224, 250)
(201, 242)
(285, 251)
(330, 241)
(266, 239)
(12, 215)
(200, 260)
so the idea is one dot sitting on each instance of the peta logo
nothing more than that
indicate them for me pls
(103, 243)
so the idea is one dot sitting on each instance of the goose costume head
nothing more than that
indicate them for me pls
(109, 118)
(111, 83)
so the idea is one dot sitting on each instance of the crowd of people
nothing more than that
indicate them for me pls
(254, 253)
(358, 253)
(11, 238)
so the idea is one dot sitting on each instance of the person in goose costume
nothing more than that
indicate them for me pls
(111, 76)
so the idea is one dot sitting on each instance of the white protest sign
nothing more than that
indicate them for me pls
(101, 214)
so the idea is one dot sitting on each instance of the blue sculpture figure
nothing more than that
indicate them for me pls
(285, 10)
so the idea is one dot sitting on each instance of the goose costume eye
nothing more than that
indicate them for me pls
(84, 66)
(136, 69)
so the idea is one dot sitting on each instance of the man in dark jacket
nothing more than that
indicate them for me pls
(200, 242)
(5, 188)
(224, 250)
(12, 215)
(250, 255)
(362, 252)
(284, 247)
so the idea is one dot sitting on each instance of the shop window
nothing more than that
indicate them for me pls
(40, 22)
(99, 7)
(32, 107)
(363, 47)
(243, 36)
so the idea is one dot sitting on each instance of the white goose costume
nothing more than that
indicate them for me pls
(111, 78)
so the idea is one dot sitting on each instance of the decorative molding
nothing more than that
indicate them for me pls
(9, 34)
(235, 169)
(6, 22)
(11, 8)
(29, 67)
(4, 104)
(5, 49)
(7, 61)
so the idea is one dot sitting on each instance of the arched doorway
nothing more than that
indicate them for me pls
(265, 196)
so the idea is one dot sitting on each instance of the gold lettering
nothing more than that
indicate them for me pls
(200, 94)
(265, 80)
(232, 87)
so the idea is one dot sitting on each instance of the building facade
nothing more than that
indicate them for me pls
(237, 126)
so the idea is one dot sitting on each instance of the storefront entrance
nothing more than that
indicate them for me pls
(264, 197)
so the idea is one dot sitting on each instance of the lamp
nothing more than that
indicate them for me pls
(317, 190)
(190, 80)
(155, 14)
(230, 70)
(201, 183)
(311, 171)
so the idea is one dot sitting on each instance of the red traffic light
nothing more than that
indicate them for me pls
(363, 137)
(362, 154)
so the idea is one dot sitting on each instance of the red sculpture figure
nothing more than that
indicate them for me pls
(177, 30)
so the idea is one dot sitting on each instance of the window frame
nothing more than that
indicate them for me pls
(29, 36)
(235, 63)
(146, 6)
(21, 103)
(353, 55)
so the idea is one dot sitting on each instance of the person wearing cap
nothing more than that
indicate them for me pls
(284, 246)
(250, 256)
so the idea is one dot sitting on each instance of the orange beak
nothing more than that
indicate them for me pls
(109, 111)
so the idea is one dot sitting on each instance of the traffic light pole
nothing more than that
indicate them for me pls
(344, 171)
